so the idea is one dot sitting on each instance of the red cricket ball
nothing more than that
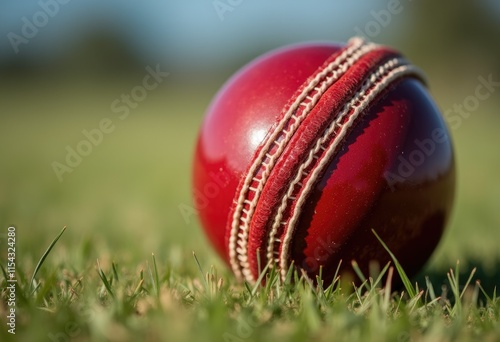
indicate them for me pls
(308, 148)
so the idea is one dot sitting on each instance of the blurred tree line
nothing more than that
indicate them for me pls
(461, 39)
(452, 41)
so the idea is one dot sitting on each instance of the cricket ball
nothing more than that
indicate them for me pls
(309, 149)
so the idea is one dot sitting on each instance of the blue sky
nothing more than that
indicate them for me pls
(183, 31)
(191, 33)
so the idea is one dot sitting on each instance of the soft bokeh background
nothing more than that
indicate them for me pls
(122, 202)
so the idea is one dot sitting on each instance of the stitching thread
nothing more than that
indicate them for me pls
(238, 240)
(374, 85)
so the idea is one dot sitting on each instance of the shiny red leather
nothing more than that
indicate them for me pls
(378, 180)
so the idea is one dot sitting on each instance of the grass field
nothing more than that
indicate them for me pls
(120, 205)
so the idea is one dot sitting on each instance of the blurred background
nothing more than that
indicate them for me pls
(65, 66)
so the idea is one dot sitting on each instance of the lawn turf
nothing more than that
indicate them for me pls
(121, 205)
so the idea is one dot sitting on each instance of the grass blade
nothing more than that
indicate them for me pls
(430, 288)
(115, 272)
(104, 279)
(259, 281)
(44, 256)
(155, 280)
(201, 271)
(467, 283)
(138, 289)
(488, 298)
(3, 272)
(386, 298)
(289, 274)
(402, 274)
(359, 273)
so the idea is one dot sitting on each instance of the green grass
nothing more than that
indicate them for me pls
(124, 268)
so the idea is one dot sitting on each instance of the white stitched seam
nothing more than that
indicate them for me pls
(376, 83)
(356, 45)
(336, 68)
(318, 147)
